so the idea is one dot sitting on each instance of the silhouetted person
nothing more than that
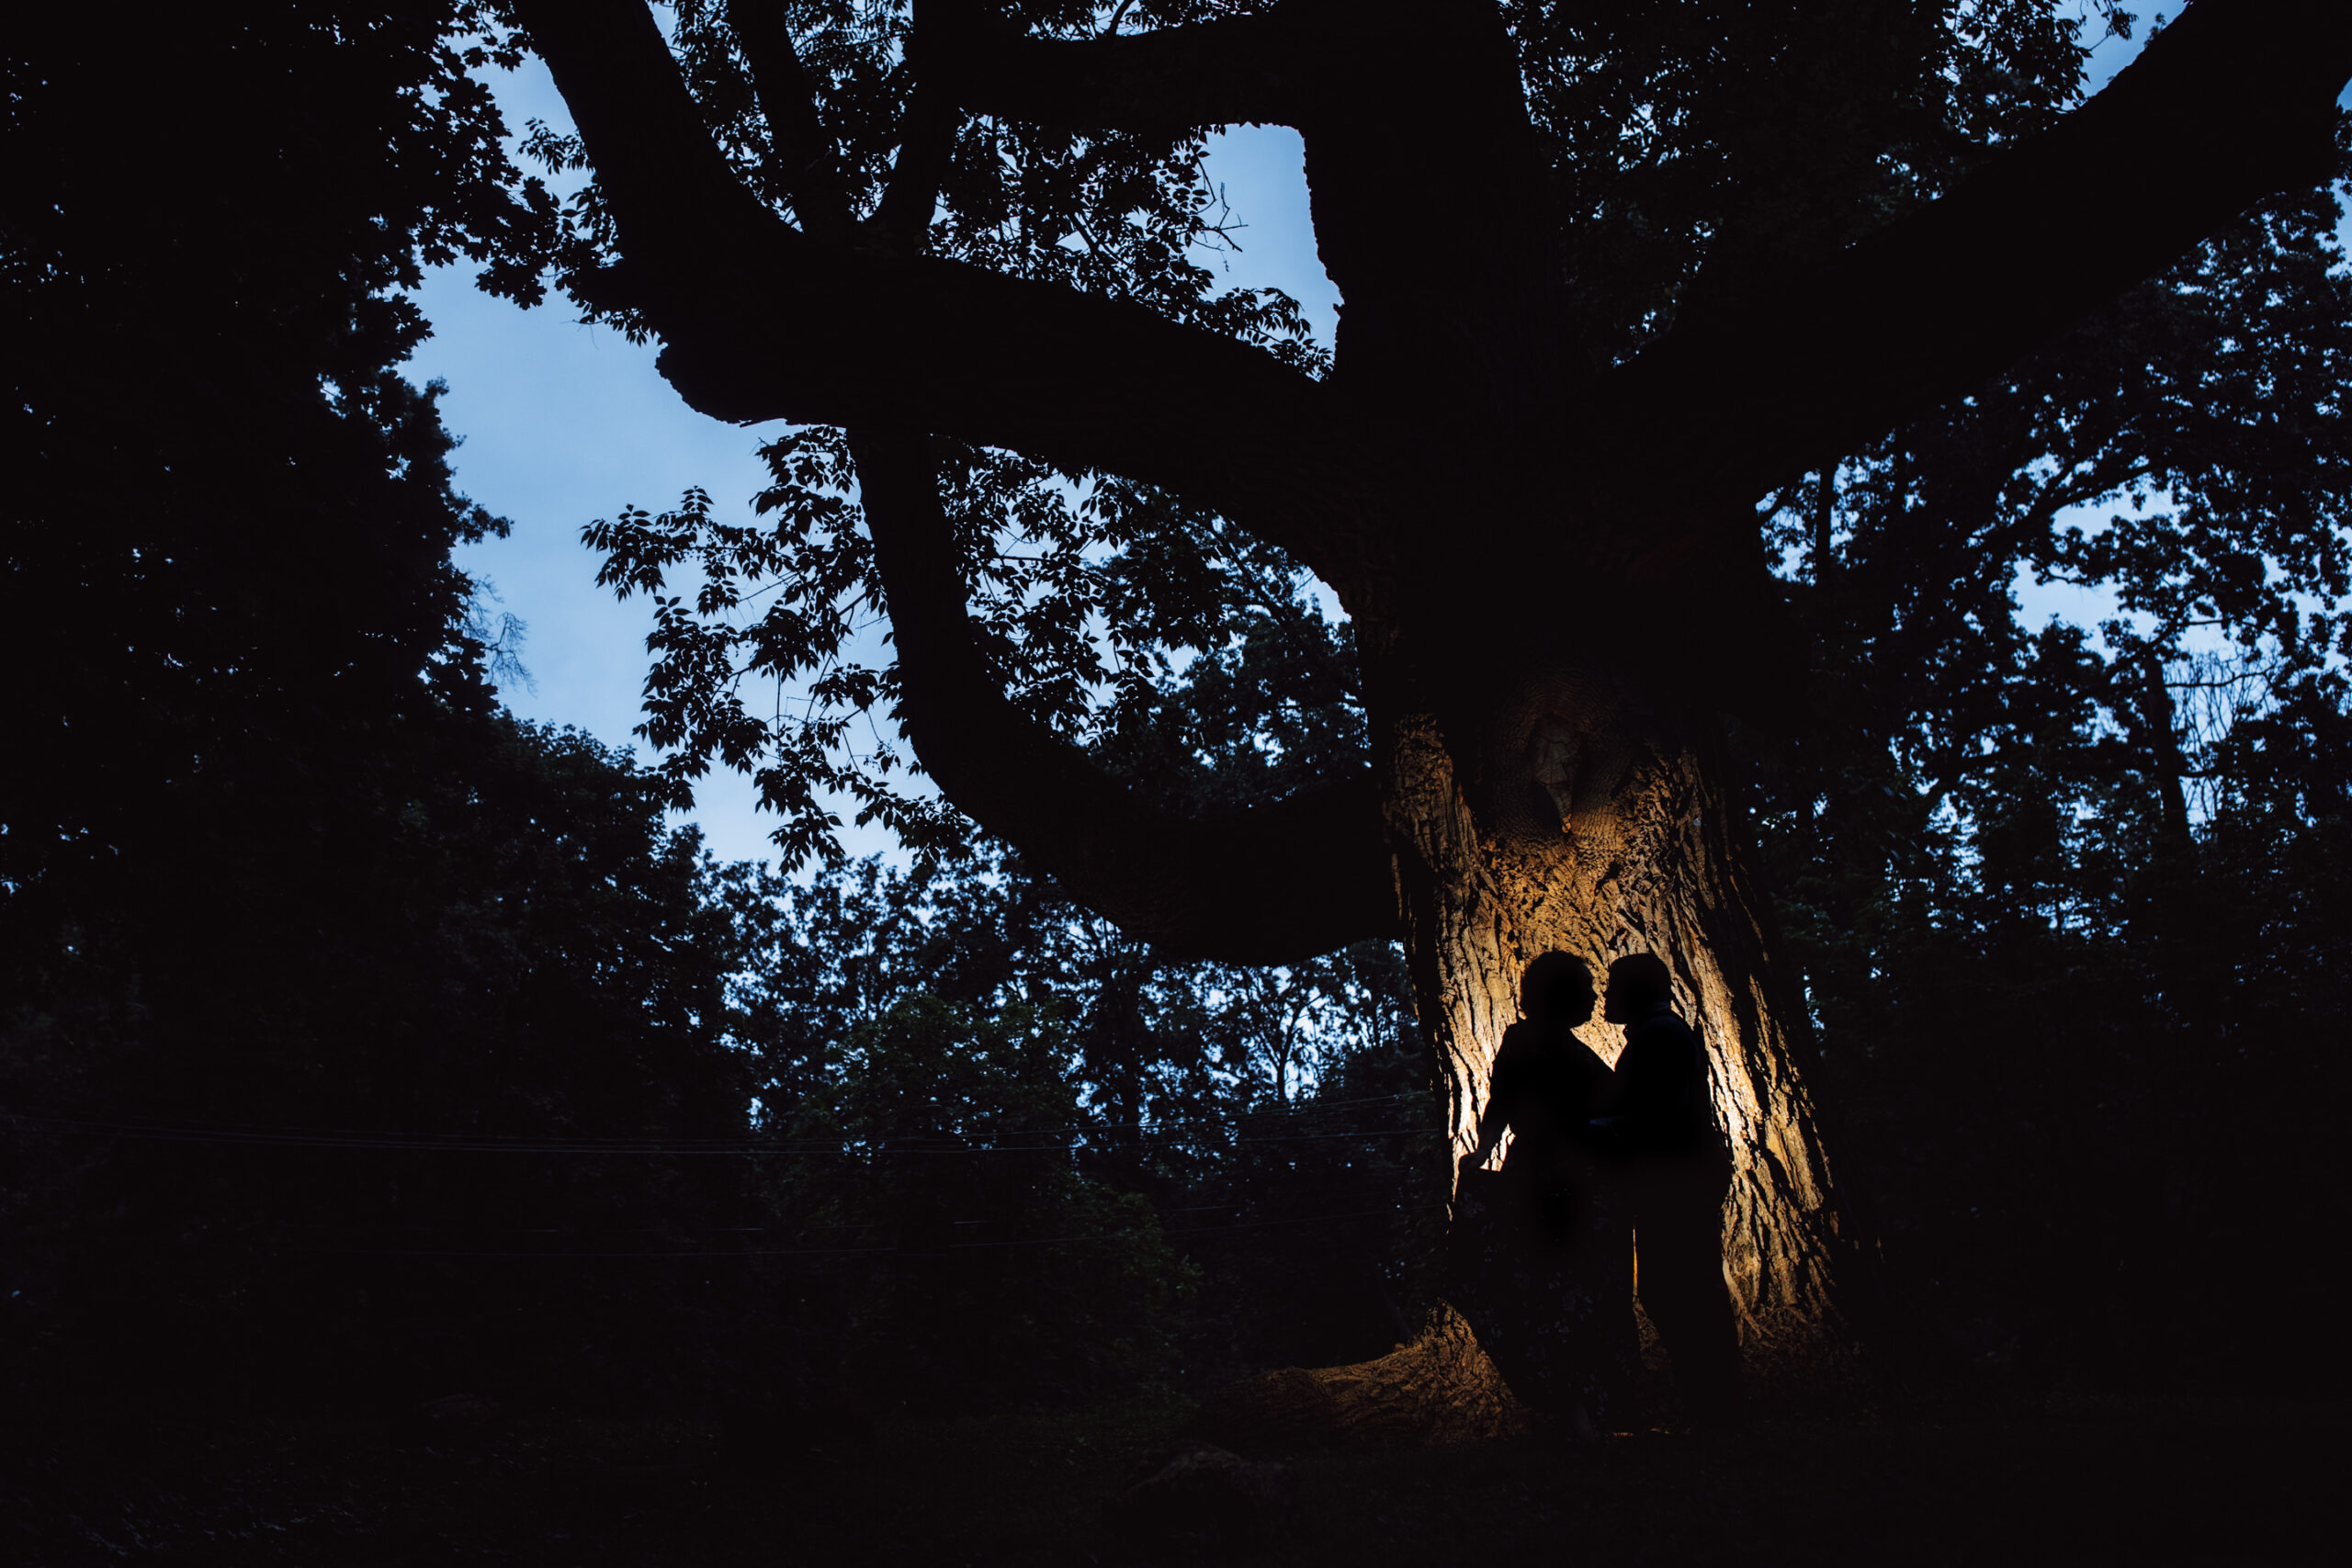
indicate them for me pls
(1548, 1264)
(1676, 1172)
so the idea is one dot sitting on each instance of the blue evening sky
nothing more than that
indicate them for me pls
(563, 423)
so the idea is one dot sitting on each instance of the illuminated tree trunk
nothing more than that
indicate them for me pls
(1574, 820)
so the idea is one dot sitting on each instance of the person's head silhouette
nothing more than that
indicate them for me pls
(1638, 985)
(1556, 992)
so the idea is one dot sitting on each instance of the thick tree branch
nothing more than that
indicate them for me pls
(1260, 70)
(2231, 105)
(763, 324)
(1262, 885)
(803, 166)
(926, 137)
(1400, 101)
(1434, 216)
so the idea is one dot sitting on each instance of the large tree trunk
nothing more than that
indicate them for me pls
(1573, 815)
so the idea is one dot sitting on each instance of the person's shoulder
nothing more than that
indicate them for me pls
(1658, 1029)
(1676, 1035)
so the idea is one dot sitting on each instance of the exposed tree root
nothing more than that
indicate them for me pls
(1437, 1388)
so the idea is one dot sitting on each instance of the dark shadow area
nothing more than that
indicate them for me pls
(412, 1143)
(1958, 1483)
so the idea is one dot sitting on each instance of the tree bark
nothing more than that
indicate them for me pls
(1577, 816)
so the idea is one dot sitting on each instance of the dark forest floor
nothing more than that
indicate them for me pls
(1987, 1482)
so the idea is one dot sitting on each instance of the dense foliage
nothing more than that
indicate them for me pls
(230, 525)
(361, 1042)
(1689, 146)
(1237, 1165)
(2062, 886)
(273, 866)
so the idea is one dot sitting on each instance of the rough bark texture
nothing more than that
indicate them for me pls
(1588, 824)
(1436, 1388)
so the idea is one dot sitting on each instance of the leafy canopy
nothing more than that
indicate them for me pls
(1683, 143)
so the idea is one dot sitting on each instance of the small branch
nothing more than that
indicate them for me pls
(926, 136)
(802, 166)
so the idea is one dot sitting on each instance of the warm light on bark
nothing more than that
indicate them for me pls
(1581, 843)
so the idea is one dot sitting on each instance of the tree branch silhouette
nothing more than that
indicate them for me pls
(1264, 885)
(2231, 105)
(1082, 381)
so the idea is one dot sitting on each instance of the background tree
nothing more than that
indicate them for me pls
(1307, 1225)
(231, 523)
(274, 869)
(2058, 827)
(1675, 256)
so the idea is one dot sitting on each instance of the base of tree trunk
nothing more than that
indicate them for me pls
(1439, 1387)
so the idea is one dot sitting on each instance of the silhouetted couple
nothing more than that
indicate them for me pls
(1600, 1163)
